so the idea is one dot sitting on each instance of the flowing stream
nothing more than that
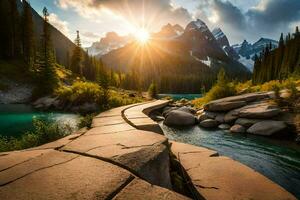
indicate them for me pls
(277, 160)
(15, 119)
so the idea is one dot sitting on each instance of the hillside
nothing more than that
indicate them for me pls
(62, 45)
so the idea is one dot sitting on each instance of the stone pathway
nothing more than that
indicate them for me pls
(125, 156)
(113, 160)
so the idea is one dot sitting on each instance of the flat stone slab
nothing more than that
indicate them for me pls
(143, 153)
(47, 159)
(79, 178)
(223, 106)
(245, 97)
(219, 177)
(106, 121)
(259, 111)
(110, 129)
(10, 159)
(141, 190)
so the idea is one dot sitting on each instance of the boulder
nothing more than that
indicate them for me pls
(246, 122)
(223, 106)
(237, 129)
(260, 111)
(224, 126)
(168, 109)
(207, 115)
(187, 109)
(267, 127)
(180, 118)
(231, 115)
(209, 123)
(220, 118)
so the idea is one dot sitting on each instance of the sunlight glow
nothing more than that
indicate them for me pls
(142, 35)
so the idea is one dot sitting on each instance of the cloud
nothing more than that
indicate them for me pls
(152, 13)
(60, 25)
(274, 15)
(268, 18)
(90, 35)
(230, 14)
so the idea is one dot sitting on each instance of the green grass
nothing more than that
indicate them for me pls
(42, 133)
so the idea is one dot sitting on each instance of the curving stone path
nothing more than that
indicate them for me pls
(113, 160)
(125, 156)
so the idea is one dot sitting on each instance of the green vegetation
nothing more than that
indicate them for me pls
(86, 121)
(279, 63)
(42, 133)
(80, 92)
(152, 91)
(223, 88)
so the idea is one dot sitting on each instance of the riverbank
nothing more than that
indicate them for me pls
(129, 160)
(252, 113)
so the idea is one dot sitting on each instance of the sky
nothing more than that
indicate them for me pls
(239, 19)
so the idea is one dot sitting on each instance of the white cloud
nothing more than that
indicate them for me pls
(59, 24)
(151, 13)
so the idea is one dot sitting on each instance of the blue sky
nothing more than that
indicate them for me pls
(239, 19)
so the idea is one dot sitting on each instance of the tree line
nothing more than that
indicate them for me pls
(278, 63)
(19, 41)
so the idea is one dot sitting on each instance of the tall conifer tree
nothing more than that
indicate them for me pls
(77, 57)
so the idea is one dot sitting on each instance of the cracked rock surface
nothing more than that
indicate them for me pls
(108, 161)
(219, 177)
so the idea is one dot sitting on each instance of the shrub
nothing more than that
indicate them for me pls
(152, 91)
(117, 99)
(86, 121)
(220, 90)
(43, 132)
(81, 92)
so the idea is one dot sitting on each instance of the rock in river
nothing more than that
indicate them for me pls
(237, 129)
(209, 123)
(224, 126)
(180, 118)
(246, 122)
(267, 127)
(259, 111)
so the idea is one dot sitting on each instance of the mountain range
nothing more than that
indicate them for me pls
(243, 53)
(192, 53)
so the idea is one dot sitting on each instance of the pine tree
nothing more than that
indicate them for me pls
(45, 62)
(77, 57)
(28, 38)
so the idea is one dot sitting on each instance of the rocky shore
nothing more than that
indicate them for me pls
(253, 113)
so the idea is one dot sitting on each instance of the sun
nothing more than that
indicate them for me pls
(142, 35)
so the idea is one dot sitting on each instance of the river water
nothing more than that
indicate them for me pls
(277, 160)
(15, 119)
